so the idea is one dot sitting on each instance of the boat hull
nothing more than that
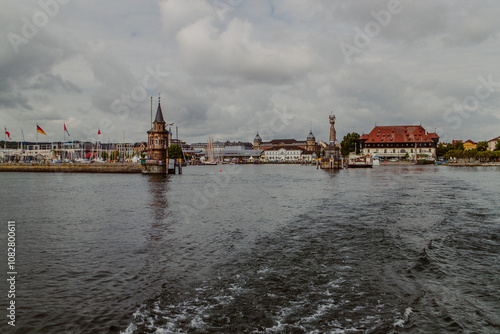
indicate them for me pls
(359, 166)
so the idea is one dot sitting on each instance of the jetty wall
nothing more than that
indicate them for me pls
(72, 167)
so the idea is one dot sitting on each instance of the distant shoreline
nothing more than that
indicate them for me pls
(473, 164)
(452, 164)
(135, 168)
(127, 168)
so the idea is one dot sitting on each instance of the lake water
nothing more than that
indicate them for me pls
(255, 249)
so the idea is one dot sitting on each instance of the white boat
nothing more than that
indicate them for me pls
(363, 161)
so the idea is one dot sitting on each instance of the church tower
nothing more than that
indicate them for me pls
(158, 137)
(257, 141)
(311, 142)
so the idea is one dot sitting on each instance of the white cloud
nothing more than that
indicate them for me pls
(235, 51)
(177, 14)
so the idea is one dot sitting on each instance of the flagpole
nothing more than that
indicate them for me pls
(24, 143)
(4, 141)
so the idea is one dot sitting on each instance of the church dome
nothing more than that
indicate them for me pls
(311, 136)
(257, 139)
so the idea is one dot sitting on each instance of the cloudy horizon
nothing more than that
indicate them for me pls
(229, 68)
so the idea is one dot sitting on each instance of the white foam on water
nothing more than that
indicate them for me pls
(336, 283)
(264, 270)
(406, 316)
(322, 309)
(133, 327)
(224, 300)
(130, 329)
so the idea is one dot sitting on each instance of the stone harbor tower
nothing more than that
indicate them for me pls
(331, 159)
(333, 134)
(157, 145)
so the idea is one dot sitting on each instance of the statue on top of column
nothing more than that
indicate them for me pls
(333, 135)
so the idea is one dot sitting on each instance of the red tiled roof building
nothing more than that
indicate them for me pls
(492, 143)
(398, 141)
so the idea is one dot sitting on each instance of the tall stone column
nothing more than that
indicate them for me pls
(333, 134)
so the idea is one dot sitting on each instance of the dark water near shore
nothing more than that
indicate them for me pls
(255, 249)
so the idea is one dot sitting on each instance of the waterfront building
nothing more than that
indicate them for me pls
(309, 156)
(288, 153)
(47, 151)
(140, 148)
(275, 142)
(469, 145)
(237, 145)
(230, 154)
(307, 145)
(282, 153)
(126, 150)
(409, 141)
(492, 143)
(158, 137)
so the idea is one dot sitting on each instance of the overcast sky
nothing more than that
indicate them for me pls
(227, 68)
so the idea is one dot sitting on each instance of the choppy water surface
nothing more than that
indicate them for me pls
(257, 249)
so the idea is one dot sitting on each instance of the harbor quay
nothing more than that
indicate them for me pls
(72, 167)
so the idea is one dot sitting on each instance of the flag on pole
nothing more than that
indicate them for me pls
(66, 130)
(7, 133)
(99, 131)
(39, 130)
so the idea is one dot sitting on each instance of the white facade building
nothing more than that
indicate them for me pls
(283, 153)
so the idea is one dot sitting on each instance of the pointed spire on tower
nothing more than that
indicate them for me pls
(159, 114)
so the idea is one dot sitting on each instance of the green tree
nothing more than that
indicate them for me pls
(482, 146)
(458, 146)
(497, 147)
(495, 155)
(457, 154)
(484, 156)
(471, 155)
(174, 152)
(349, 143)
(104, 155)
(114, 155)
(442, 148)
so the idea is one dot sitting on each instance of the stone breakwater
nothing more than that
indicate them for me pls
(72, 167)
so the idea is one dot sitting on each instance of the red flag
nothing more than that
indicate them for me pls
(39, 129)
(7, 133)
(66, 130)
(99, 131)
